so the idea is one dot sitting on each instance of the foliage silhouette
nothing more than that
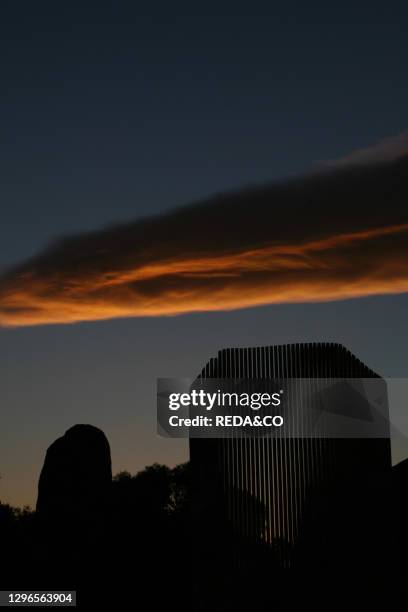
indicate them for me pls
(142, 543)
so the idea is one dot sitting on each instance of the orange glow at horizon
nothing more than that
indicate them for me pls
(336, 267)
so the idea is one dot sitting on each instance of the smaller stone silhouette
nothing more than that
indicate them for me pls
(76, 478)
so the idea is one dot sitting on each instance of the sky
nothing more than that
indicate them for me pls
(109, 115)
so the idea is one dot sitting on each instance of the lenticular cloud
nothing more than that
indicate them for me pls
(338, 234)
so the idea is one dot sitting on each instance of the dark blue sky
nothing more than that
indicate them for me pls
(108, 114)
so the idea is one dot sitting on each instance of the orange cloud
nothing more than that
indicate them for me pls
(336, 236)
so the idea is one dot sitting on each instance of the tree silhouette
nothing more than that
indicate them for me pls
(145, 543)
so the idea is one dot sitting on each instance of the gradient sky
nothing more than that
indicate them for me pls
(109, 115)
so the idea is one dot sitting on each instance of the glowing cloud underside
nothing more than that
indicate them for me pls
(332, 236)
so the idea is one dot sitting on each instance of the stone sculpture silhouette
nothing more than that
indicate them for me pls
(76, 479)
